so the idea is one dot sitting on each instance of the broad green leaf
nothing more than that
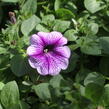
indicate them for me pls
(90, 46)
(104, 42)
(61, 26)
(30, 7)
(93, 28)
(20, 105)
(29, 24)
(1, 107)
(71, 35)
(10, 94)
(64, 14)
(94, 78)
(24, 105)
(40, 27)
(82, 90)
(10, 1)
(106, 95)
(42, 90)
(92, 5)
(81, 75)
(94, 92)
(48, 19)
(56, 81)
(3, 50)
(57, 4)
(1, 85)
(4, 61)
(20, 65)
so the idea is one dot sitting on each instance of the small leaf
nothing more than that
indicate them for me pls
(40, 27)
(1, 107)
(56, 81)
(10, 1)
(10, 94)
(1, 85)
(92, 5)
(48, 19)
(29, 24)
(57, 4)
(42, 90)
(106, 95)
(3, 50)
(104, 42)
(94, 28)
(64, 14)
(29, 7)
(71, 35)
(94, 78)
(61, 26)
(90, 46)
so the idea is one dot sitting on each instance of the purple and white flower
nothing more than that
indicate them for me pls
(48, 53)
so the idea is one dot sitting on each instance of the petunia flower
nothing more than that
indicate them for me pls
(48, 53)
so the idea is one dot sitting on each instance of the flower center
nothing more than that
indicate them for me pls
(48, 48)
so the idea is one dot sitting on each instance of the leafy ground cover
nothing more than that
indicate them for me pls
(85, 83)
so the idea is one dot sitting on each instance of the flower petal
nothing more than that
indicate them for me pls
(55, 38)
(63, 51)
(36, 40)
(61, 40)
(61, 61)
(47, 65)
(34, 50)
(54, 69)
(33, 63)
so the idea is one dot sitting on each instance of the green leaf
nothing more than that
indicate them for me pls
(90, 46)
(20, 65)
(4, 61)
(57, 4)
(3, 50)
(30, 7)
(94, 78)
(93, 28)
(1, 85)
(42, 90)
(92, 5)
(64, 14)
(1, 107)
(48, 19)
(10, 94)
(60, 25)
(40, 27)
(71, 35)
(94, 92)
(106, 95)
(10, 1)
(20, 105)
(104, 42)
(56, 81)
(29, 24)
